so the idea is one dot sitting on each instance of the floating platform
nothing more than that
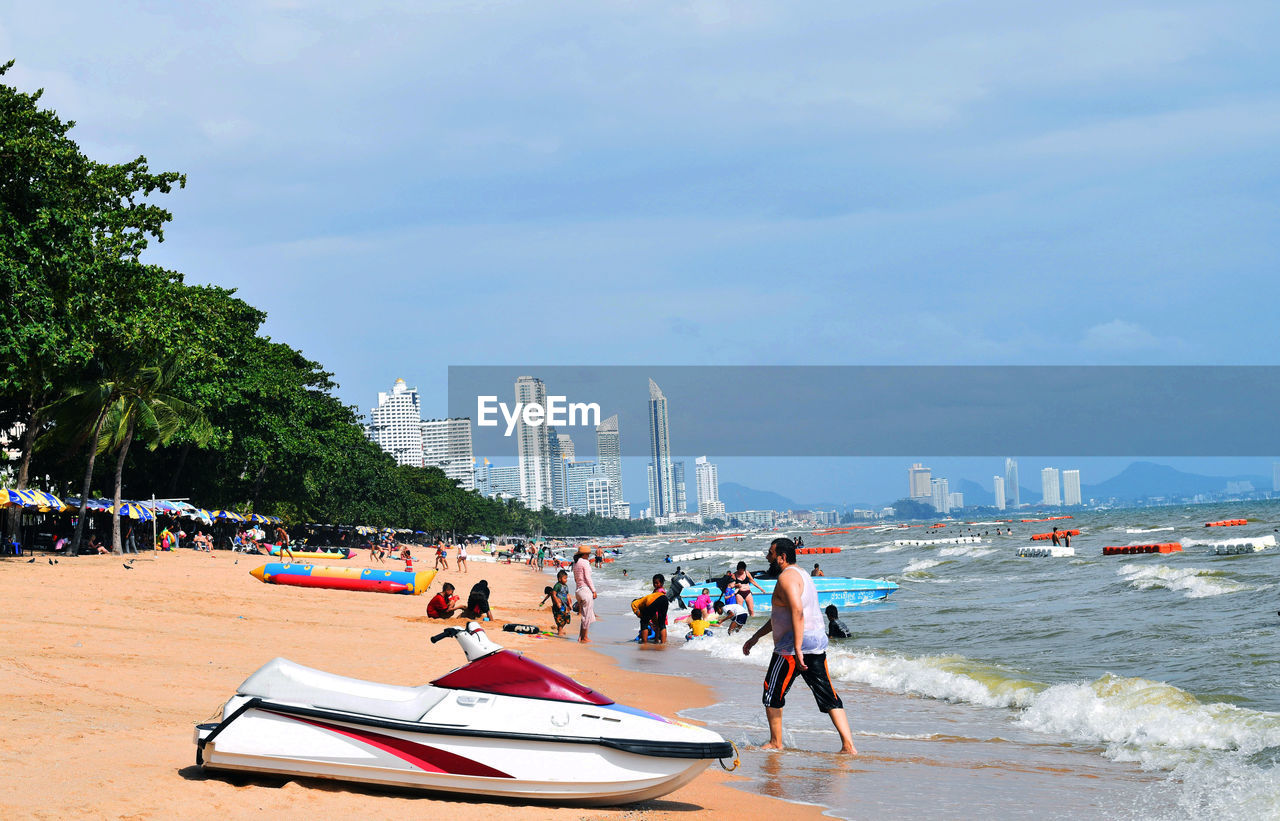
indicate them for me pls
(1052, 551)
(1044, 537)
(930, 542)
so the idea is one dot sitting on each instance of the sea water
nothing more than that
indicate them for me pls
(1131, 686)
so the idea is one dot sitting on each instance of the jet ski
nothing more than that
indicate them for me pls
(501, 725)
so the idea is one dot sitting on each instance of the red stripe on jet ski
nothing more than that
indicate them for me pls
(430, 759)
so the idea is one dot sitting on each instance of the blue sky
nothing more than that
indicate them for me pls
(405, 186)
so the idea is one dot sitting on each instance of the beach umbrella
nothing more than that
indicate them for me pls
(260, 519)
(133, 510)
(10, 497)
(229, 515)
(45, 501)
(199, 514)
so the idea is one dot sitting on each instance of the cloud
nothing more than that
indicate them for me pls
(1120, 338)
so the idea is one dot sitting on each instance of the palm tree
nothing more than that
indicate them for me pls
(141, 409)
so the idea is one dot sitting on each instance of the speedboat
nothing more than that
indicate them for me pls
(841, 591)
(501, 725)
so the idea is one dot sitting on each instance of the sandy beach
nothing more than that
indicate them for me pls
(105, 671)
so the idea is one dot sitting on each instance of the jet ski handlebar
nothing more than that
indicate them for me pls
(475, 644)
(447, 633)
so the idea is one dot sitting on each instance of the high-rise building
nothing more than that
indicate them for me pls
(1071, 487)
(998, 491)
(941, 494)
(504, 480)
(677, 476)
(560, 451)
(1275, 477)
(662, 497)
(1049, 484)
(599, 498)
(609, 449)
(576, 476)
(533, 448)
(707, 477)
(1012, 493)
(918, 479)
(396, 424)
(446, 444)
(955, 501)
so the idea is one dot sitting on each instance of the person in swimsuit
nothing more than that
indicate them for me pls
(799, 646)
(742, 580)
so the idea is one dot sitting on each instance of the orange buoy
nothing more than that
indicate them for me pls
(1163, 547)
(1040, 537)
(1227, 523)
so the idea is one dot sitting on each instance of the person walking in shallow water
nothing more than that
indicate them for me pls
(799, 646)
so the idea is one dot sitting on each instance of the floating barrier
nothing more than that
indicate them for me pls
(1227, 523)
(808, 550)
(1252, 543)
(370, 580)
(1236, 549)
(311, 553)
(1052, 551)
(930, 542)
(1041, 537)
(1167, 547)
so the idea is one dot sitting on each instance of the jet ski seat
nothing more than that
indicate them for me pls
(286, 681)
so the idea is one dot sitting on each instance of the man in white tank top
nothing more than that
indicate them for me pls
(795, 613)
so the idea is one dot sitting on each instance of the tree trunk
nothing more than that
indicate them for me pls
(117, 546)
(88, 480)
(182, 462)
(24, 467)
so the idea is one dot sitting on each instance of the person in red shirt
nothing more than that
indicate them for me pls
(444, 604)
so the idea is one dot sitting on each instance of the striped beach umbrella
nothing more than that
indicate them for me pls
(133, 510)
(10, 497)
(229, 515)
(42, 501)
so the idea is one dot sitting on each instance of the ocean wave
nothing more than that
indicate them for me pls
(1193, 582)
(1149, 722)
(889, 548)
(972, 551)
(920, 566)
(1146, 529)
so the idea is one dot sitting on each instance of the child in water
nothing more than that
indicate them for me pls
(698, 624)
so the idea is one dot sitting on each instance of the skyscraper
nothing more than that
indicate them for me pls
(918, 478)
(559, 450)
(533, 448)
(1049, 484)
(1012, 493)
(446, 444)
(609, 449)
(998, 491)
(681, 496)
(396, 424)
(707, 476)
(1071, 487)
(1275, 477)
(941, 492)
(662, 497)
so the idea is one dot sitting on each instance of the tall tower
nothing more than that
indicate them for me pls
(609, 449)
(1050, 486)
(708, 479)
(396, 424)
(1012, 493)
(997, 483)
(918, 478)
(941, 493)
(662, 497)
(533, 447)
(1071, 487)
(446, 444)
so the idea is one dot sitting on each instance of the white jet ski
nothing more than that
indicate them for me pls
(502, 725)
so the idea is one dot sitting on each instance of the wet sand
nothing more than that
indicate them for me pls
(105, 671)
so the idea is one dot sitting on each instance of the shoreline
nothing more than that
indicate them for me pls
(107, 670)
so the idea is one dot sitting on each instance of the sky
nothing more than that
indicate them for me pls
(405, 186)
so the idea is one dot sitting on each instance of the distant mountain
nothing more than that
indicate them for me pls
(740, 497)
(1142, 479)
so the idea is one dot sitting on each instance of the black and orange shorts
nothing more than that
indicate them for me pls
(782, 673)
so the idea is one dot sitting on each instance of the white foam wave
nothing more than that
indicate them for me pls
(1152, 723)
(971, 551)
(1193, 582)
(1145, 529)
(920, 565)
(890, 548)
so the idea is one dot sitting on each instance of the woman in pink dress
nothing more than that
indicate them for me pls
(585, 592)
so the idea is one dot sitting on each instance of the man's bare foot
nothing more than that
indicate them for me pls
(848, 750)
(770, 745)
